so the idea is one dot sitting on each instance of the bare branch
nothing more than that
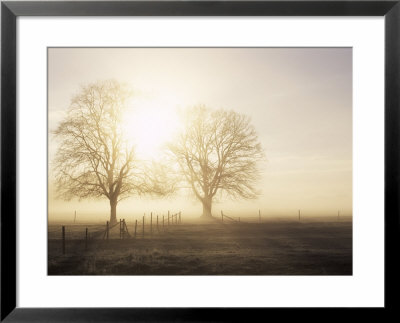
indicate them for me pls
(218, 152)
(93, 159)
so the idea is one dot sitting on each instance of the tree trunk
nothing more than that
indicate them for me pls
(207, 207)
(113, 215)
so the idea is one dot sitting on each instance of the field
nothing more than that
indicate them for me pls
(190, 248)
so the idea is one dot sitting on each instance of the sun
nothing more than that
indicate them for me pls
(149, 124)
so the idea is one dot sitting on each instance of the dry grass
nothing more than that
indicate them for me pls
(272, 248)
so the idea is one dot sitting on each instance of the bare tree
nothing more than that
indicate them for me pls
(93, 160)
(218, 151)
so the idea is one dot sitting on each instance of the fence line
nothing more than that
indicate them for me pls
(223, 215)
(90, 232)
(103, 232)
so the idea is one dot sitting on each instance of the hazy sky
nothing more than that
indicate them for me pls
(299, 100)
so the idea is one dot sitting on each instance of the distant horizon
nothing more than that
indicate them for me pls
(93, 217)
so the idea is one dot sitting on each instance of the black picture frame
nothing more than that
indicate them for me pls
(10, 11)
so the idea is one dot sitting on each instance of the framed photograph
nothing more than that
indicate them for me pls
(198, 160)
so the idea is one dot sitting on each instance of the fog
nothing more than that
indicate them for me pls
(299, 101)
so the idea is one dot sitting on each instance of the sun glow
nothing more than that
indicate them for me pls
(149, 124)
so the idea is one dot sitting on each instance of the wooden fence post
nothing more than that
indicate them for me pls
(123, 228)
(135, 228)
(107, 229)
(63, 240)
(86, 238)
(143, 228)
(299, 215)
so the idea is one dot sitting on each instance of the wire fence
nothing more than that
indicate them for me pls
(146, 227)
(140, 228)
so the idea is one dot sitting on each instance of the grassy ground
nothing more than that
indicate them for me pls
(271, 248)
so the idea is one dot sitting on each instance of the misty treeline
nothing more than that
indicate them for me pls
(216, 152)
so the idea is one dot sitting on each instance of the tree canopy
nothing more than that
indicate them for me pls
(218, 151)
(94, 159)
